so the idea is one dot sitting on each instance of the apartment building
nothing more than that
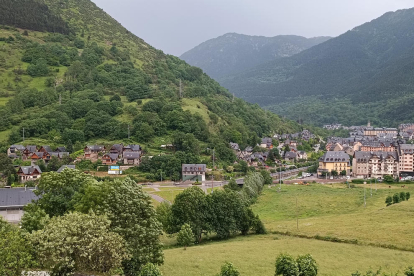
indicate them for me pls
(406, 152)
(375, 164)
(334, 161)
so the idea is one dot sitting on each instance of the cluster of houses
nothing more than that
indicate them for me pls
(287, 149)
(376, 152)
(129, 155)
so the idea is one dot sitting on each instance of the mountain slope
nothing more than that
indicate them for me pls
(99, 82)
(234, 53)
(366, 73)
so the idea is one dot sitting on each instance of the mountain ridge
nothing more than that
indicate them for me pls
(233, 53)
(370, 64)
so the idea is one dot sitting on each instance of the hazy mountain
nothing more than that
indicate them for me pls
(234, 53)
(366, 73)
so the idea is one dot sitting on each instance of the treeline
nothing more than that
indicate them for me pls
(223, 212)
(32, 15)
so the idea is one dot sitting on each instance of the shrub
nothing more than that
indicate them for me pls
(286, 265)
(409, 271)
(388, 201)
(307, 265)
(228, 269)
(185, 236)
(407, 195)
(402, 196)
(396, 198)
(150, 270)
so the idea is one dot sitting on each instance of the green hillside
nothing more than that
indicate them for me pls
(109, 80)
(364, 74)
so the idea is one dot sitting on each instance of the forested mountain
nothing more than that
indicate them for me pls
(234, 53)
(99, 82)
(364, 74)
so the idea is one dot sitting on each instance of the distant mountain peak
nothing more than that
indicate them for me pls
(232, 53)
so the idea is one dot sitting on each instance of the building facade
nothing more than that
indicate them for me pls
(194, 172)
(334, 161)
(375, 164)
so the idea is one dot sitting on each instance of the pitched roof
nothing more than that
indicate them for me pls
(133, 147)
(96, 147)
(17, 147)
(47, 148)
(335, 156)
(61, 149)
(29, 169)
(132, 155)
(31, 148)
(194, 167)
(113, 156)
(16, 197)
(117, 147)
(71, 167)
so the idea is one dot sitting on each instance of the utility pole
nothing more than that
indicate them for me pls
(370, 183)
(212, 183)
(365, 199)
(128, 133)
(23, 134)
(297, 217)
(280, 177)
(161, 176)
(181, 90)
(213, 159)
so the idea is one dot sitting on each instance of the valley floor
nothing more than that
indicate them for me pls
(383, 234)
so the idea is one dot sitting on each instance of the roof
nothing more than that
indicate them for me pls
(39, 154)
(31, 148)
(249, 149)
(290, 154)
(72, 167)
(29, 169)
(132, 155)
(16, 197)
(365, 156)
(61, 149)
(133, 147)
(47, 148)
(18, 147)
(59, 154)
(117, 147)
(194, 167)
(335, 156)
(234, 146)
(96, 147)
(113, 156)
(407, 147)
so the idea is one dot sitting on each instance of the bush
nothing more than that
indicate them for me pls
(286, 265)
(409, 271)
(307, 265)
(228, 270)
(185, 237)
(407, 195)
(388, 201)
(396, 198)
(150, 270)
(402, 196)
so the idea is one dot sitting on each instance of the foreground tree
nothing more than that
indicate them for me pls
(191, 207)
(56, 191)
(34, 218)
(79, 242)
(15, 251)
(307, 265)
(132, 216)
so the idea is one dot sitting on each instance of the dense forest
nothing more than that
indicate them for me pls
(98, 84)
(31, 15)
(364, 74)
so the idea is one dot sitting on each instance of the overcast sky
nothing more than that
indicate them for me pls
(176, 26)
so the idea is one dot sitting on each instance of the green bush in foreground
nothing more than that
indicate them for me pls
(185, 236)
(150, 270)
(304, 265)
(228, 269)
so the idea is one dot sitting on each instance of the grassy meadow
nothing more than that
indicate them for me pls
(383, 235)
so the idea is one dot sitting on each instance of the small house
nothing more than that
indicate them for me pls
(131, 158)
(29, 173)
(110, 159)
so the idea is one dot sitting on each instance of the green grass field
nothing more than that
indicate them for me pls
(256, 255)
(383, 234)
